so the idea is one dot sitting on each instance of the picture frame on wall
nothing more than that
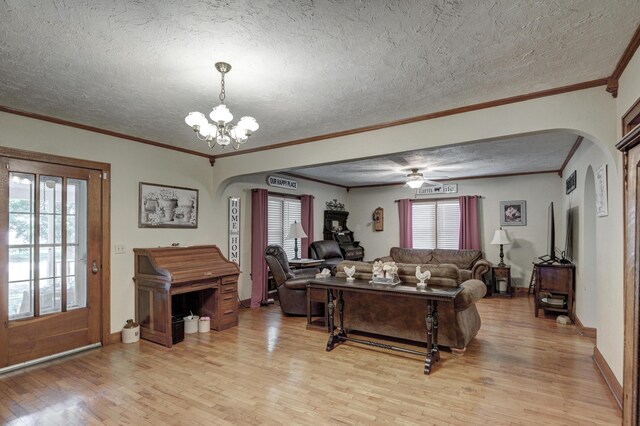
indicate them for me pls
(571, 183)
(513, 213)
(602, 206)
(165, 206)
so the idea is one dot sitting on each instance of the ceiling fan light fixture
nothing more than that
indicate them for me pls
(415, 179)
(221, 131)
(415, 184)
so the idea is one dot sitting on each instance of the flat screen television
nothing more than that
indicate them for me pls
(551, 234)
(550, 257)
(569, 244)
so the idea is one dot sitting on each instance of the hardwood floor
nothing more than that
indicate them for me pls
(271, 370)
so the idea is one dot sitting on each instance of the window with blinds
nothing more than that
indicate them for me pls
(282, 212)
(436, 224)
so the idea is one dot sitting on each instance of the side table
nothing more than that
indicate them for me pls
(502, 274)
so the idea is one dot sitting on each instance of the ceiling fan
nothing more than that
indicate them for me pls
(415, 179)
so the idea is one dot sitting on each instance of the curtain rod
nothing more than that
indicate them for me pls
(414, 200)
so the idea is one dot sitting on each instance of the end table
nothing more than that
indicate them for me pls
(502, 274)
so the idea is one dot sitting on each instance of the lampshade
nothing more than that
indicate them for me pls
(415, 184)
(221, 114)
(248, 123)
(296, 231)
(195, 119)
(500, 237)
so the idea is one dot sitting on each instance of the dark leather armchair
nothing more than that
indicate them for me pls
(292, 285)
(327, 250)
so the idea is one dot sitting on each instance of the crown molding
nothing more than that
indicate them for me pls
(41, 117)
(612, 81)
(571, 153)
(425, 117)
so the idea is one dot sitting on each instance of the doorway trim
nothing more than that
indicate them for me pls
(105, 222)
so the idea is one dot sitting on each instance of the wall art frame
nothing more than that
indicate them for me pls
(570, 183)
(602, 206)
(166, 206)
(513, 213)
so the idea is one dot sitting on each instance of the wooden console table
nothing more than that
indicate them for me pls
(431, 296)
(198, 279)
(555, 279)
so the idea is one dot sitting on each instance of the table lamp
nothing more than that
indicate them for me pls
(501, 238)
(295, 232)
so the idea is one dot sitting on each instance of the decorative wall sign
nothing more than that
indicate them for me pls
(571, 183)
(164, 206)
(280, 182)
(602, 206)
(513, 213)
(234, 230)
(378, 219)
(334, 205)
(446, 188)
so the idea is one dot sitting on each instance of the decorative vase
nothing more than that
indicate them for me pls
(168, 205)
(182, 214)
(151, 205)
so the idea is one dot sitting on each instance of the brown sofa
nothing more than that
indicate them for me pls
(459, 322)
(470, 262)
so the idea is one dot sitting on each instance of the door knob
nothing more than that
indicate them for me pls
(94, 267)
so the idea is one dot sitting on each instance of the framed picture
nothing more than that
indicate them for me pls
(602, 207)
(164, 206)
(571, 183)
(513, 213)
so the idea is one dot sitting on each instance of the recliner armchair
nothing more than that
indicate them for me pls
(291, 284)
(327, 250)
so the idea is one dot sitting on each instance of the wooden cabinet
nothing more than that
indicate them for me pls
(335, 228)
(178, 280)
(502, 274)
(557, 279)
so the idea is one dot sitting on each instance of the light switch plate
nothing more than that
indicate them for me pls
(120, 249)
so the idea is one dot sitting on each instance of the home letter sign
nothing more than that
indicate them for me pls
(234, 230)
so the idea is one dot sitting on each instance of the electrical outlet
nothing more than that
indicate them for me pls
(120, 249)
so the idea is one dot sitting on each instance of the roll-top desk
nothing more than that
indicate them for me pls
(175, 280)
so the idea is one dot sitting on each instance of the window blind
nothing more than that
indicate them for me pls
(282, 212)
(436, 224)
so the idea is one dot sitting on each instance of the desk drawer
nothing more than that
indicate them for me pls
(226, 298)
(228, 315)
(229, 288)
(230, 280)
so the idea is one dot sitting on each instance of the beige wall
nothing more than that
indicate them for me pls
(529, 241)
(131, 163)
(599, 262)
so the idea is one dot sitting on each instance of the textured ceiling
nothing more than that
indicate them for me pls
(524, 154)
(301, 67)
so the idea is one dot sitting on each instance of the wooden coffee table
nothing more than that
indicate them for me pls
(431, 295)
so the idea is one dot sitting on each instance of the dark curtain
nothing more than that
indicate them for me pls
(469, 227)
(406, 225)
(306, 204)
(259, 240)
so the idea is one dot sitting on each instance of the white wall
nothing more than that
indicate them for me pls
(241, 187)
(530, 241)
(131, 163)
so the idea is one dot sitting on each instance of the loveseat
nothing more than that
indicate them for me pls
(459, 322)
(470, 262)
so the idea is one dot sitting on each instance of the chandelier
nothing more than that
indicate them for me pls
(221, 131)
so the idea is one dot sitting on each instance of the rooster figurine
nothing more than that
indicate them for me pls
(422, 276)
(350, 272)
